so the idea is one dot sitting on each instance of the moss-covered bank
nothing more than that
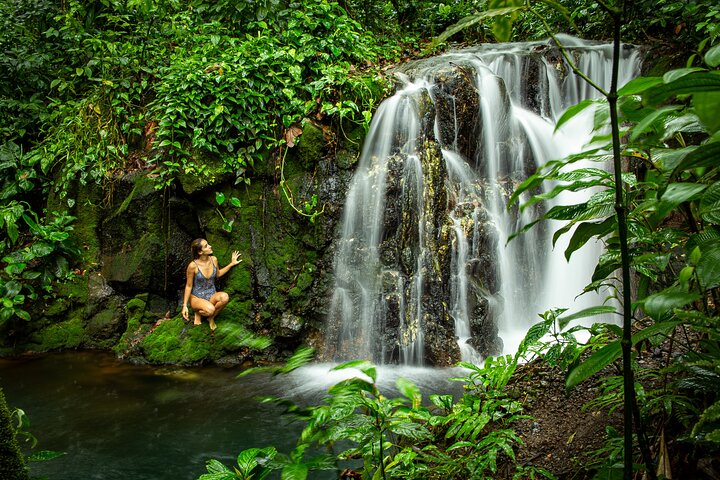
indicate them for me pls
(135, 241)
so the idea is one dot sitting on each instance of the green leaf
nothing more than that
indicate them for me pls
(673, 75)
(587, 312)
(689, 84)
(594, 363)
(22, 314)
(410, 391)
(712, 57)
(710, 204)
(674, 195)
(12, 288)
(587, 230)
(247, 460)
(469, 21)
(294, 471)
(654, 121)
(363, 365)
(534, 333)
(574, 110)
(219, 198)
(662, 303)
(639, 85)
(708, 267)
(707, 108)
(44, 455)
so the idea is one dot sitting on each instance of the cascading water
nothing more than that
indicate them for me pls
(423, 270)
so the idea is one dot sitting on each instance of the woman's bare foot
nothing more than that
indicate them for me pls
(211, 322)
(198, 319)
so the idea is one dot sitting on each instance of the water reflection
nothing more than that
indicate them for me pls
(117, 420)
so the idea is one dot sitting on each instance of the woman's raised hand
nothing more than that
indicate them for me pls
(235, 258)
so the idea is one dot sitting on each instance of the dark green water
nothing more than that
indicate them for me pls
(121, 421)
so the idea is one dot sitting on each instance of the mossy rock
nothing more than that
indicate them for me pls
(67, 296)
(67, 334)
(309, 150)
(214, 172)
(138, 265)
(87, 214)
(104, 327)
(177, 342)
(237, 311)
(134, 331)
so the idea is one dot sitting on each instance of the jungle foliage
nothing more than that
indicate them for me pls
(90, 89)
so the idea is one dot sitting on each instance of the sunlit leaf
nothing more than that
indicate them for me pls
(712, 57)
(639, 85)
(689, 84)
(587, 312)
(44, 455)
(707, 108)
(662, 303)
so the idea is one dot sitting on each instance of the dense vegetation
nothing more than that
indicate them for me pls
(93, 89)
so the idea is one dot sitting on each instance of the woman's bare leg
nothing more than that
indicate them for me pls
(202, 308)
(219, 300)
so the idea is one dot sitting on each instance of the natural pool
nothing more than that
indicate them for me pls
(120, 421)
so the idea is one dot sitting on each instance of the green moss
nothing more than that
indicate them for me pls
(309, 149)
(12, 462)
(137, 304)
(142, 186)
(133, 330)
(67, 296)
(67, 334)
(237, 311)
(177, 342)
(125, 265)
(85, 229)
(213, 172)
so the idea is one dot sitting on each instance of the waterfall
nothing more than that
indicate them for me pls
(423, 270)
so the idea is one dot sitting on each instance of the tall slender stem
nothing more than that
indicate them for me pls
(621, 212)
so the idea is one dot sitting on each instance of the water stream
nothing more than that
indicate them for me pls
(424, 246)
(118, 421)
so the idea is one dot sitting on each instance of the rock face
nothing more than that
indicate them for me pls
(136, 245)
(423, 287)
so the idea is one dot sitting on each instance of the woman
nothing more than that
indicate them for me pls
(200, 285)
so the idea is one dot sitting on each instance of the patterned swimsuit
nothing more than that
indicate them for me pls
(204, 287)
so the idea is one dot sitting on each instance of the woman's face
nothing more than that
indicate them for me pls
(205, 248)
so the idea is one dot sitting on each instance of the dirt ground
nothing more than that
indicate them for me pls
(562, 435)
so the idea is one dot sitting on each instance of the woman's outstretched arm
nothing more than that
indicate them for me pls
(234, 261)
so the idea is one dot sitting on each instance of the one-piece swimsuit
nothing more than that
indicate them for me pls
(204, 287)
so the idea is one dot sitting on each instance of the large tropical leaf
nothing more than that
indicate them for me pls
(660, 304)
(612, 351)
(707, 106)
(689, 84)
(708, 267)
(587, 230)
(639, 85)
(587, 312)
(710, 204)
